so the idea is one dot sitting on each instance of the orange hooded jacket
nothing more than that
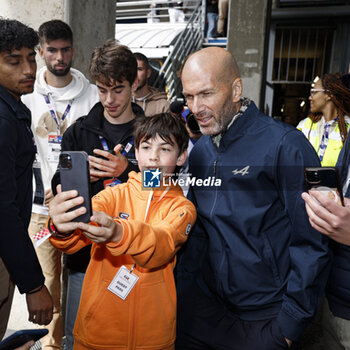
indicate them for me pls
(146, 319)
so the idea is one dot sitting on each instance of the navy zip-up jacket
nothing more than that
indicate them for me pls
(17, 153)
(338, 289)
(252, 246)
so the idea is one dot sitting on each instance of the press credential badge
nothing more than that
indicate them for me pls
(123, 282)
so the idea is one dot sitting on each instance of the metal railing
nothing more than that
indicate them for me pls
(140, 11)
(188, 41)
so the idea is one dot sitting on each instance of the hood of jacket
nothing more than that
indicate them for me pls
(155, 95)
(77, 86)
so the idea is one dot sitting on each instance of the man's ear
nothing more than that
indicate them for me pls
(41, 52)
(181, 159)
(237, 90)
(73, 53)
(149, 72)
(134, 85)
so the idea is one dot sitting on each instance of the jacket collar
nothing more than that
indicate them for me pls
(239, 127)
(20, 110)
(343, 163)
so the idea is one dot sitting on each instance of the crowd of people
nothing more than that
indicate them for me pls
(244, 262)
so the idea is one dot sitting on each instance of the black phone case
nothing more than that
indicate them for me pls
(323, 176)
(21, 337)
(77, 177)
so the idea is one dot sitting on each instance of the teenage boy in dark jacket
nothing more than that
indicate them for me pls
(18, 261)
(333, 220)
(253, 272)
(107, 127)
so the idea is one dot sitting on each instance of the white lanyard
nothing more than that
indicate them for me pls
(53, 111)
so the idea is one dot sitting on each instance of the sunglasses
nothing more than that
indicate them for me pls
(315, 91)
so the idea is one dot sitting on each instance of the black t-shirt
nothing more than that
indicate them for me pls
(116, 132)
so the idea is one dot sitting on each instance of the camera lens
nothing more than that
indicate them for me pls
(313, 177)
(65, 161)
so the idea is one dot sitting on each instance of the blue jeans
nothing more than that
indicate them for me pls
(212, 18)
(75, 283)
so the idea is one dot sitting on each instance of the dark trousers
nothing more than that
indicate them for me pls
(205, 324)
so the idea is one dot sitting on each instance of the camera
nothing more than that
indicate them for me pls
(313, 177)
(65, 161)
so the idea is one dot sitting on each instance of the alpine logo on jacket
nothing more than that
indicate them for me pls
(243, 171)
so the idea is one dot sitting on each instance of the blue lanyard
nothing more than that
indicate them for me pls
(104, 143)
(123, 151)
(325, 138)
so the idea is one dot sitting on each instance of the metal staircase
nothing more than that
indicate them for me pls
(189, 36)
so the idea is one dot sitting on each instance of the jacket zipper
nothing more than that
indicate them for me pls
(219, 287)
(132, 341)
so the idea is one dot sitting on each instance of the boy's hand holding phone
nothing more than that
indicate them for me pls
(110, 165)
(104, 229)
(58, 210)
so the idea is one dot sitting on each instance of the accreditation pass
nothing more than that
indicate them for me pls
(123, 282)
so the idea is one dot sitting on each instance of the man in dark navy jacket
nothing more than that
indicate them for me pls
(333, 220)
(18, 261)
(253, 272)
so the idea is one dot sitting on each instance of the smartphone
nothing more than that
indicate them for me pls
(75, 175)
(325, 179)
(21, 337)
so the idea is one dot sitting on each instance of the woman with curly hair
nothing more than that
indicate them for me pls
(328, 123)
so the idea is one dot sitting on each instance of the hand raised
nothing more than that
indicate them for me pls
(108, 166)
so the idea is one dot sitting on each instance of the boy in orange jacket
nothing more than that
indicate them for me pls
(128, 299)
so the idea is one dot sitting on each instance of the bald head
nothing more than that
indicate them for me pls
(214, 61)
(212, 88)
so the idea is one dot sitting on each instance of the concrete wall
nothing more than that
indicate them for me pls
(246, 37)
(32, 12)
(92, 21)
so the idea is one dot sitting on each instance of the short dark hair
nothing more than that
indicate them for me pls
(54, 30)
(113, 62)
(141, 57)
(167, 126)
(15, 35)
